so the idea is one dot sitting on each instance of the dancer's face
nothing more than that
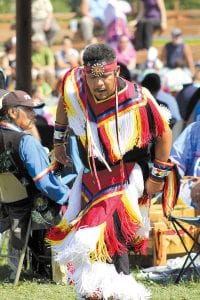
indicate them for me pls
(102, 87)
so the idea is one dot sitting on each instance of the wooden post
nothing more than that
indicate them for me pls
(23, 34)
(159, 244)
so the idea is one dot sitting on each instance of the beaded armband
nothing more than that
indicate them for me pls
(160, 170)
(60, 132)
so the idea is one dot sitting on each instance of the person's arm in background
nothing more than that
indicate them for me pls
(189, 58)
(195, 193)
(181, 152)
(163, 13)
(84, 8)
(50, 16)
(163, 56)
(37, 163)
(140, 13)
(183, 155)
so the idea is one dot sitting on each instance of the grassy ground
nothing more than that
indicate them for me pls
(34, 289)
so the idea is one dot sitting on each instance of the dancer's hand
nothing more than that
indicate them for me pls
(152, 187)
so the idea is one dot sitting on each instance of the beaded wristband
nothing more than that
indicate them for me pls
(160, 170)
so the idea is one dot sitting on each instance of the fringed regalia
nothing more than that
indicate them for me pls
(111, 187)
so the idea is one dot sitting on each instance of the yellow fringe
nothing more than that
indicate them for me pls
(63, 226)
(135, 218)
(101, 252)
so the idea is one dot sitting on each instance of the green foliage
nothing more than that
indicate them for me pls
(61, 5)
(7, 6)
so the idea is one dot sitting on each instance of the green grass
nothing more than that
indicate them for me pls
(36, 290)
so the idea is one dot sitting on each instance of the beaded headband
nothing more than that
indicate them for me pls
(98, 69)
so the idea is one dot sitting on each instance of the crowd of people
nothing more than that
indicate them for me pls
(122, 118)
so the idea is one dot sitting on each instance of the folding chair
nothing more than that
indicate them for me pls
(7, 194)
(178, 223)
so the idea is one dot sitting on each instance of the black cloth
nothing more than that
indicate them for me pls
(121, 262)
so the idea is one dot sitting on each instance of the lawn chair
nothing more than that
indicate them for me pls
(178, 223)
(9, 195)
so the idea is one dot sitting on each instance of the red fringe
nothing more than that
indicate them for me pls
(113, 244)
(141, 246)
(106, 141)
(143, 200)
(145, 130)
(169, 203)
(128, 228)
(57, 234)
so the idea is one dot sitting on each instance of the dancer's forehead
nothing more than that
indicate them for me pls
(98, 69)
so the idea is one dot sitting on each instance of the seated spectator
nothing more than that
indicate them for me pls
(44, 88)
(42, 59)
(116, 22)
(92, 17)
(174, 80)
(8, 62)
(25, 159)
(47, 111)
(152, 82)
(177, 53)
(185, 153)
(2, 79)
(188, 101)
(66, 58)
(43, 20)
(126, 53)
(153, 62)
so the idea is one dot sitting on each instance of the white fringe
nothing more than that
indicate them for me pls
(103, 278)
(76, 248)
(91, 277)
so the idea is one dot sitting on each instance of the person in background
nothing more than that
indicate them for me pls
(44, 88)
(42, 59)
(116, 23)
(185, 154)
(43, 20)
(8, 62)
(152, 82)
(66, 58)
(151, 17)
(23, 156)
(114, 121)
(177, 53)
(126, 53)
(92, 18)
(2, 80)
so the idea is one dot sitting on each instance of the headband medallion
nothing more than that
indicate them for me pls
(97, 70)
(100, 68)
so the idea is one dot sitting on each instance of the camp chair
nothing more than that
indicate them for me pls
(9, 195)
(179, 223)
